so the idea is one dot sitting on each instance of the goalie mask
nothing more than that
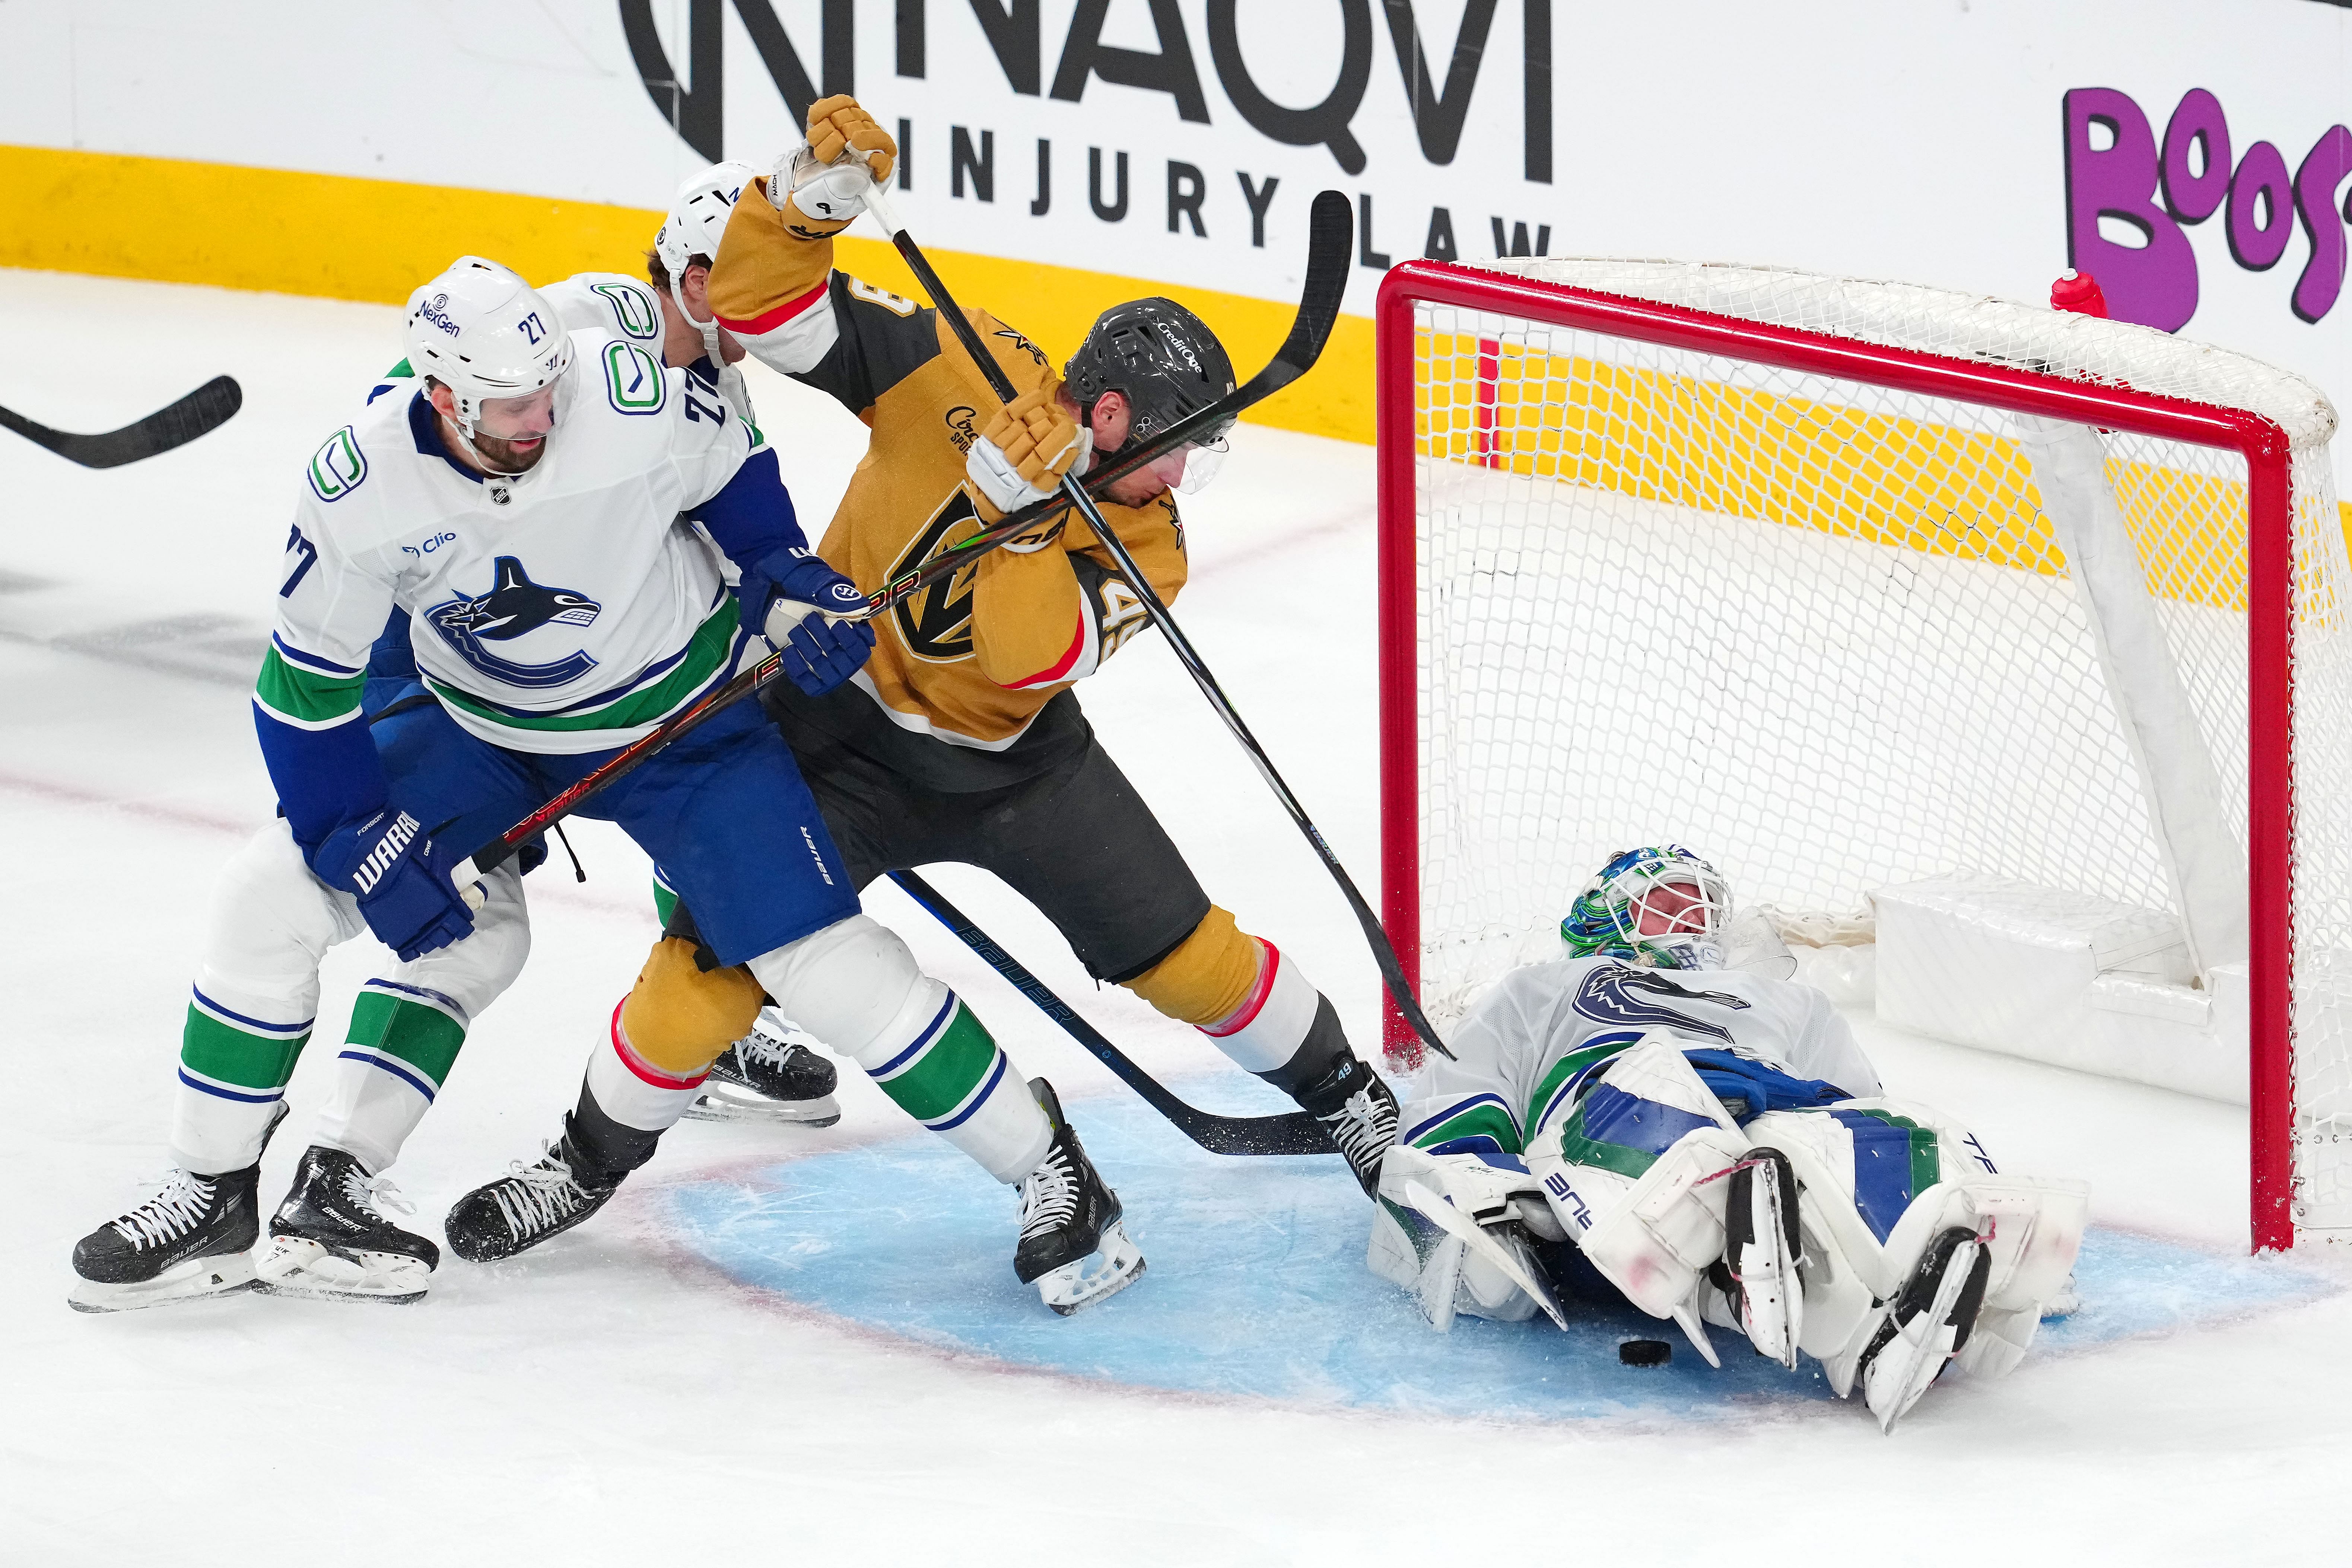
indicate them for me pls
(1661, 906)
(1166, 363)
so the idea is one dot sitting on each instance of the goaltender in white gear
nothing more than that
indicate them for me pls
(1714, 1145)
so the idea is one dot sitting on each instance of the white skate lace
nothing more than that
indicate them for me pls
(373, 1194)
(534, 1196)
(1049, 1196)
(763, 1048)
(177, 1207)
(1362, 1127)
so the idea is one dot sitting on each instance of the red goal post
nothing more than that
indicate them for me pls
(1449, 401)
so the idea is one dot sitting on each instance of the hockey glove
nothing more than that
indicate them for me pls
(824, 180)
(401, 879)
(1021, 458)
(782, 596)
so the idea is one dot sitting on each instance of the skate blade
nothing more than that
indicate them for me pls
(1114, 1265)
(310, 1271)
(193, 1281)
(718, 1105)
(1901, 1372)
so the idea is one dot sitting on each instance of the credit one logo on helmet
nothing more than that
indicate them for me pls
(436, 310)
(2117, 169)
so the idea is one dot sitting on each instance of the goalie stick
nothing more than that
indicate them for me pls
(1294, 1132)
(1331, 219)
(1328, 261)
(203, 411)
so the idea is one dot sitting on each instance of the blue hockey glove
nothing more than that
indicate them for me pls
(401, 879)
(819, 653)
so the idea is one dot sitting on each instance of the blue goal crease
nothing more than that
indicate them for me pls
(1257, 1287)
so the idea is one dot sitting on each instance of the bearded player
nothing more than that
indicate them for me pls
(584, 509)
(961, 739)
(667, 313)
(1714, 1144)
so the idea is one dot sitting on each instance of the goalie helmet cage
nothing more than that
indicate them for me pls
(1760, 561)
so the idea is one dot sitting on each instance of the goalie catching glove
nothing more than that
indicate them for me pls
(819, 185)
(794, 598)
(1020, 459)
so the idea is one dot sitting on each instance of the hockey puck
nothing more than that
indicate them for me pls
(1644, 1353)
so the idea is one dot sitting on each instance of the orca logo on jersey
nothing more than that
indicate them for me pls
(1606, 996)
(935, 624)
(515, 606)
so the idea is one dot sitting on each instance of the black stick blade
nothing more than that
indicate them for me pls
(1330, 253)
(203, 411)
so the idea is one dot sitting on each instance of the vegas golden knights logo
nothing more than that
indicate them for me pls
(935, 624)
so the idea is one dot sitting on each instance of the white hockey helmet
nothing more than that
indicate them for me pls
(698, 216)
(483, 333)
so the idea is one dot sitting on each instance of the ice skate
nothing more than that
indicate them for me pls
(193, 1237)
(1761, 1251)
(767, 1076)
(330, 1240)
(1355, 1107)
(1926, 1325)
(528, 1204)
(1073, 1247)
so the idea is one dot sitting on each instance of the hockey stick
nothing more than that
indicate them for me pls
(1331, 219)
(1294, 1132)
(1319, 308)
(201, 411)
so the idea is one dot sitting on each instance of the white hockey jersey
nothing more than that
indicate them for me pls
(570, 609)
(613, 301)
(1545, 1029)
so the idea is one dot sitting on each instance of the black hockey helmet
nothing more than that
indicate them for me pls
(1158, 356)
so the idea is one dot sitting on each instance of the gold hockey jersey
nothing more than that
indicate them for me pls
(969, 664)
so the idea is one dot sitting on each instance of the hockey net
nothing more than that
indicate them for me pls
(1758, 562)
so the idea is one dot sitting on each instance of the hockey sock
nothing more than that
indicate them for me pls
(855, 986)
(403, 1041)
(234, 1064)
(955, 1078)
(1254, 1004)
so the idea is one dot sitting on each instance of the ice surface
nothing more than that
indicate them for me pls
(617, 1396)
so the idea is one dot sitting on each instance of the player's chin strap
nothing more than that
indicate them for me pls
(730, 380)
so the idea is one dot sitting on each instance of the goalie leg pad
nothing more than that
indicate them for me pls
(1632, 1172)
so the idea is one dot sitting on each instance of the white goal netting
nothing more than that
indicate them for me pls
(1825, 632)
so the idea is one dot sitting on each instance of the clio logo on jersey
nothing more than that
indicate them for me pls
(515, 608)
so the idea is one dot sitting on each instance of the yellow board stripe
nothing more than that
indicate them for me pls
(346, 238)
(1801, 462)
